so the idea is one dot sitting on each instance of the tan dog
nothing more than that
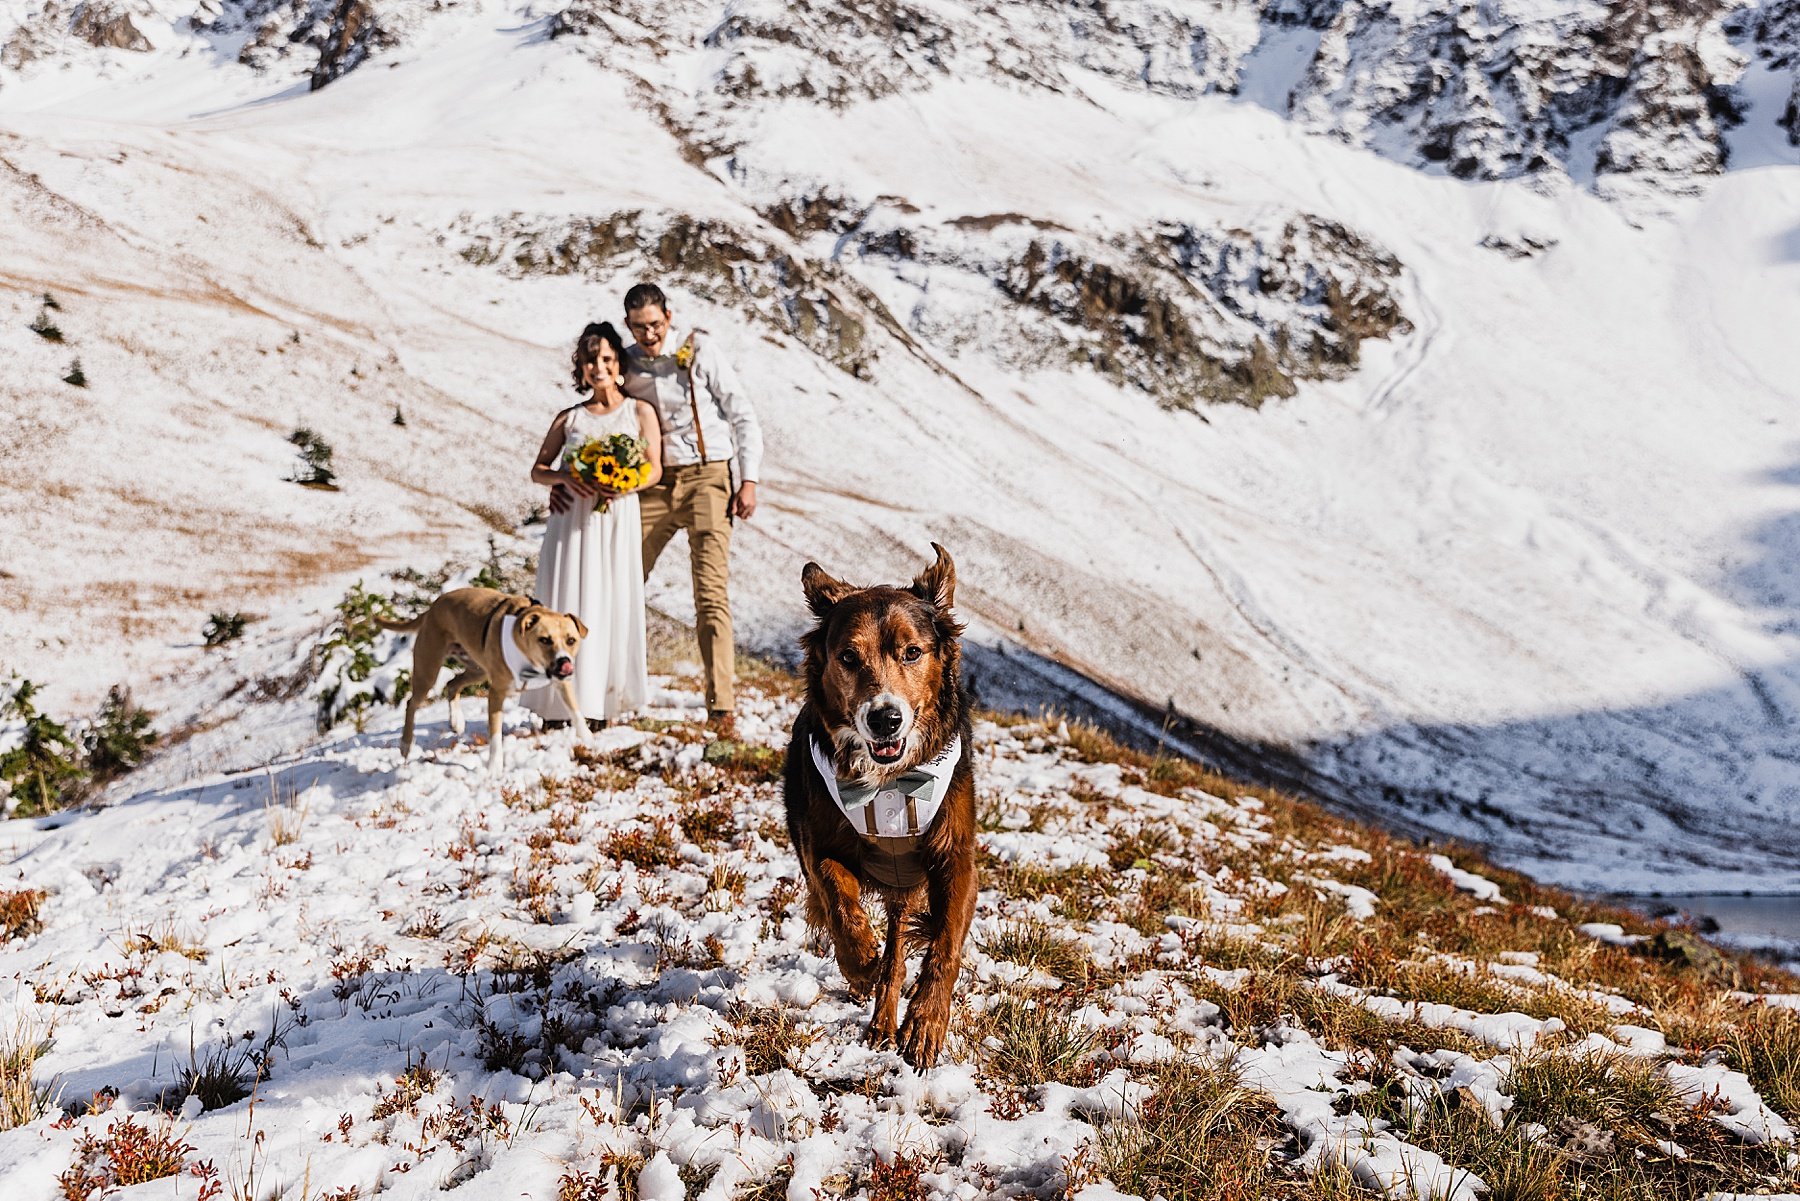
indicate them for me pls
(512, 642)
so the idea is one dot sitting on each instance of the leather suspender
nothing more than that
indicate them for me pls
(693, 399)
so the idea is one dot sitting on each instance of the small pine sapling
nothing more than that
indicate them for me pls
(315, 452)
(224, 627)
(45, 328)
(76, 378)
(119, 736)
(43, 771)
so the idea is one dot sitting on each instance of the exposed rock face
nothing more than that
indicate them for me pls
(353, 32)
(38, 34)
(321, 39)
(811, 301)
(104, 26)
(1669, 129)
(1606, 93)
(1508, 88)
(1774, 30)
(1187, 315)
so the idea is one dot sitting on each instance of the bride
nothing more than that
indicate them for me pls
(591, 563)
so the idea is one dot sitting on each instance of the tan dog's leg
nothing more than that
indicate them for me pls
(951, 893)
(428, 661)
(885, 1025)
(496, 732)
(579, 721)
(453, 693)
(840, 901)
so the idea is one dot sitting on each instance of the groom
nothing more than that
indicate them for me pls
(710, 440)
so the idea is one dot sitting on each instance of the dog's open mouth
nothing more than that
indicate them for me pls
(563, 670)
(886, 752)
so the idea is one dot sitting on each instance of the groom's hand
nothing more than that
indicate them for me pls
(560, 498)
(744, 503)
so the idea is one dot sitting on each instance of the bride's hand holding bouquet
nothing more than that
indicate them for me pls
(609, 467)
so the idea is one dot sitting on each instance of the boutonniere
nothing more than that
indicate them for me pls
(685, 356)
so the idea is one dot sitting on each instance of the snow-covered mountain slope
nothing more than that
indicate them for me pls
(339, 975)
(1471, 495)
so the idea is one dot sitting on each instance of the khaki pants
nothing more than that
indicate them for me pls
(696, 498)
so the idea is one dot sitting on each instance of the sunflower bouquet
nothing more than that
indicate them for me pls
(617, 461)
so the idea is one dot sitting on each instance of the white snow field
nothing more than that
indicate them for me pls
(1527, 576)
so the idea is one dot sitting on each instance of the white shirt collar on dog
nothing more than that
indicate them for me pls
(525, 674)
(905, 806)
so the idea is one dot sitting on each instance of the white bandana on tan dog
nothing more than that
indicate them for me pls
(525, 673)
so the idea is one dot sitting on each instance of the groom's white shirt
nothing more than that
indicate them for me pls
(727, 420)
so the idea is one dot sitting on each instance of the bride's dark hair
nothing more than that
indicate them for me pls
(587, 350)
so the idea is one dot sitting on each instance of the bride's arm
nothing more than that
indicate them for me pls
(650, 430)
(544, 471)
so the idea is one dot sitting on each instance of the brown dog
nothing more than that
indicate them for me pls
(881, 793)
(512, 642)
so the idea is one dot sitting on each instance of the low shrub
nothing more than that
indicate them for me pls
(42, 767)
(355, 675)
(224, 627)
(19, 912)
(315, 453)
(127, 1154)
(119, 736)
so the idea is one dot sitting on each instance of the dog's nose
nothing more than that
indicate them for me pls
(884, 721)
(562, 667)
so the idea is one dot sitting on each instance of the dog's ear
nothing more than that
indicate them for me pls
(528, 621)
(580, 626)
(822, 590)
(936, 585)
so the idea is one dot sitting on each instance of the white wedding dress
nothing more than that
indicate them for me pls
(592, 565)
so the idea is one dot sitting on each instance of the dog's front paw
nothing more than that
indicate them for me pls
(883, 1027)
(861, 972)
(922, 1034)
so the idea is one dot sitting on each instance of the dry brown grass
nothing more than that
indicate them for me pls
(19, 909)
(1036, 944)
(1024, 1042)
(1583, 1126)
(165, 936)
(1079, 892)
(1201, 1136)
(22, 1098)
(647, 846)
(772, 1038)
(1759, 1040)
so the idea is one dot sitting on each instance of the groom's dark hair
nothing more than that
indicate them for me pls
(645, 294)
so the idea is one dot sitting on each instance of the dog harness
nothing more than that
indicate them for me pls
(525, 673)
(893, 817)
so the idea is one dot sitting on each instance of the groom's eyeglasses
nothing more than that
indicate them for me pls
(645, 331)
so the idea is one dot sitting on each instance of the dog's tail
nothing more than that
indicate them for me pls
(405, 627)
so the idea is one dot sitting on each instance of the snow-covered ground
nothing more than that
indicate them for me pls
(594, 967)
(1527, 577)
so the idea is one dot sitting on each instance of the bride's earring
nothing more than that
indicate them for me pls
(619, 381)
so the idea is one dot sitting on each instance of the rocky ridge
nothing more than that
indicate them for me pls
(1630, 93)
(1185, 313)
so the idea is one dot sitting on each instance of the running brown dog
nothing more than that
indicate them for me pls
(880, 793)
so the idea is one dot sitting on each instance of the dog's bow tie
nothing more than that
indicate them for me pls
(904, 806)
